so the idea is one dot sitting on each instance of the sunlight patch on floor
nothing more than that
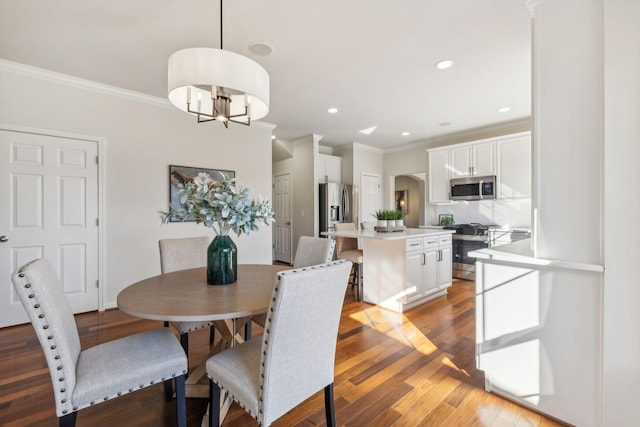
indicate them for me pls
(396, 326)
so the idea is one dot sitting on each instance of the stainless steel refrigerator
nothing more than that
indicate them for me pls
(338, 203)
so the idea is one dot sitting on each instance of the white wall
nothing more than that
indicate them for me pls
(304, 196)
(568, 129)
(514, 213)
(141, 140)
(622, 205)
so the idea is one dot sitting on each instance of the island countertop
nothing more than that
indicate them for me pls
(392, 235)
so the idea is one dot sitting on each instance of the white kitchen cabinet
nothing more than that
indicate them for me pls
(329, 168)
(414, 265)
(400, 269)
(444, 262)
(514, 166)
(428, 267)
(439, 176)
(473, 160)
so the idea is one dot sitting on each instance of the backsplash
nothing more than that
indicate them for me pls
(514, 213)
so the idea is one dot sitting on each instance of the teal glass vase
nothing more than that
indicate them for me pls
(222, 261)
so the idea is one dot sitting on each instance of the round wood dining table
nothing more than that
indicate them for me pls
(185, 296)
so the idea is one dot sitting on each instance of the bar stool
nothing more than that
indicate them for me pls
(347, 248)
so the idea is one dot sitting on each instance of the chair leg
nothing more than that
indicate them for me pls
(328, 406)
(181, 401)
(184, 342)
(357, 281)
(168, 390)
(166, 324)
(214, 404)
(68, 420)
(247, 331)
(212, 334)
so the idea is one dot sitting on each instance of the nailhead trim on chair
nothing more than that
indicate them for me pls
(267, 331)
(63, 390)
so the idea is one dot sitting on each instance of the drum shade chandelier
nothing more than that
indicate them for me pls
(214, 84)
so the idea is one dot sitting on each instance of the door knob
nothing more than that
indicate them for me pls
(4, 239)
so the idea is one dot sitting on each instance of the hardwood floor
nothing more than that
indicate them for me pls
(391, 370)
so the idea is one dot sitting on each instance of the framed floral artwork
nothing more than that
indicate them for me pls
(179, 175)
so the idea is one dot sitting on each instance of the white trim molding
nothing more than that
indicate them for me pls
(67, 80)
(90, 85)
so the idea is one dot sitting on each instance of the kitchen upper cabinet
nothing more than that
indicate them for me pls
(474, 159)
(439, 175)
(329, 168)
(514, 166)
(507, 157)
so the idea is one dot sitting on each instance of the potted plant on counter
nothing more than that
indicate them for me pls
(399, 217)
(382, 216)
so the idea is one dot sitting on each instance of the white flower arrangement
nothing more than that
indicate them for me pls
(223, 206)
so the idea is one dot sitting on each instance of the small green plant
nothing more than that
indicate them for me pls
(223, 206)
(382, 214)
(446, 220)
(398, 215)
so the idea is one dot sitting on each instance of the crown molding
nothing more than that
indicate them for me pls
(90, 85)
(470, 135)
(67, 80)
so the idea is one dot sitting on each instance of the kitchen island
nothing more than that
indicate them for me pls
(403, 269)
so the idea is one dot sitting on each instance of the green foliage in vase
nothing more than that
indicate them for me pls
(223, 206)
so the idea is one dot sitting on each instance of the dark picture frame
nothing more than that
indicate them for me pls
(445, 219)
(183, 174)
(402, 201)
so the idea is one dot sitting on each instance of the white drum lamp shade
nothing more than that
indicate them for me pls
(196, 75)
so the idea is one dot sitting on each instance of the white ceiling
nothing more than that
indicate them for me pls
(371, 59)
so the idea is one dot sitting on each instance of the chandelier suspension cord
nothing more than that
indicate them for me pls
(220, 24)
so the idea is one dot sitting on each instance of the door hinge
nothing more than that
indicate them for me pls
(98, 222)
(97, 283)
(97, 160)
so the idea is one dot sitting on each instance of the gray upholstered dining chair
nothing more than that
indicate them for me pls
(347, 248)
(183, 254)
(83, 378)
(313, 251)
(294, 358)
(310, 251)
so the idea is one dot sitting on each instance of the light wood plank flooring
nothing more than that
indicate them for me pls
(391, 370)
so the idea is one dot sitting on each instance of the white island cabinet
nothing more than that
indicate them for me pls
(403, 269)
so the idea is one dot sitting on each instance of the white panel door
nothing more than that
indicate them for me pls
(369, 197)
(49, 189)
(282, 208)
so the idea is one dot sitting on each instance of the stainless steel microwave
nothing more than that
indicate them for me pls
(473, 188)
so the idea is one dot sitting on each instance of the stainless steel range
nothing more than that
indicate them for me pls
(468, 238)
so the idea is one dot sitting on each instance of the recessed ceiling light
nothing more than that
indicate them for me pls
(332, 110)
(444, 123)
(406, 133)
(504, 109)
(444, 64)
(273, 137)
(368, 131)
(261, 49)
